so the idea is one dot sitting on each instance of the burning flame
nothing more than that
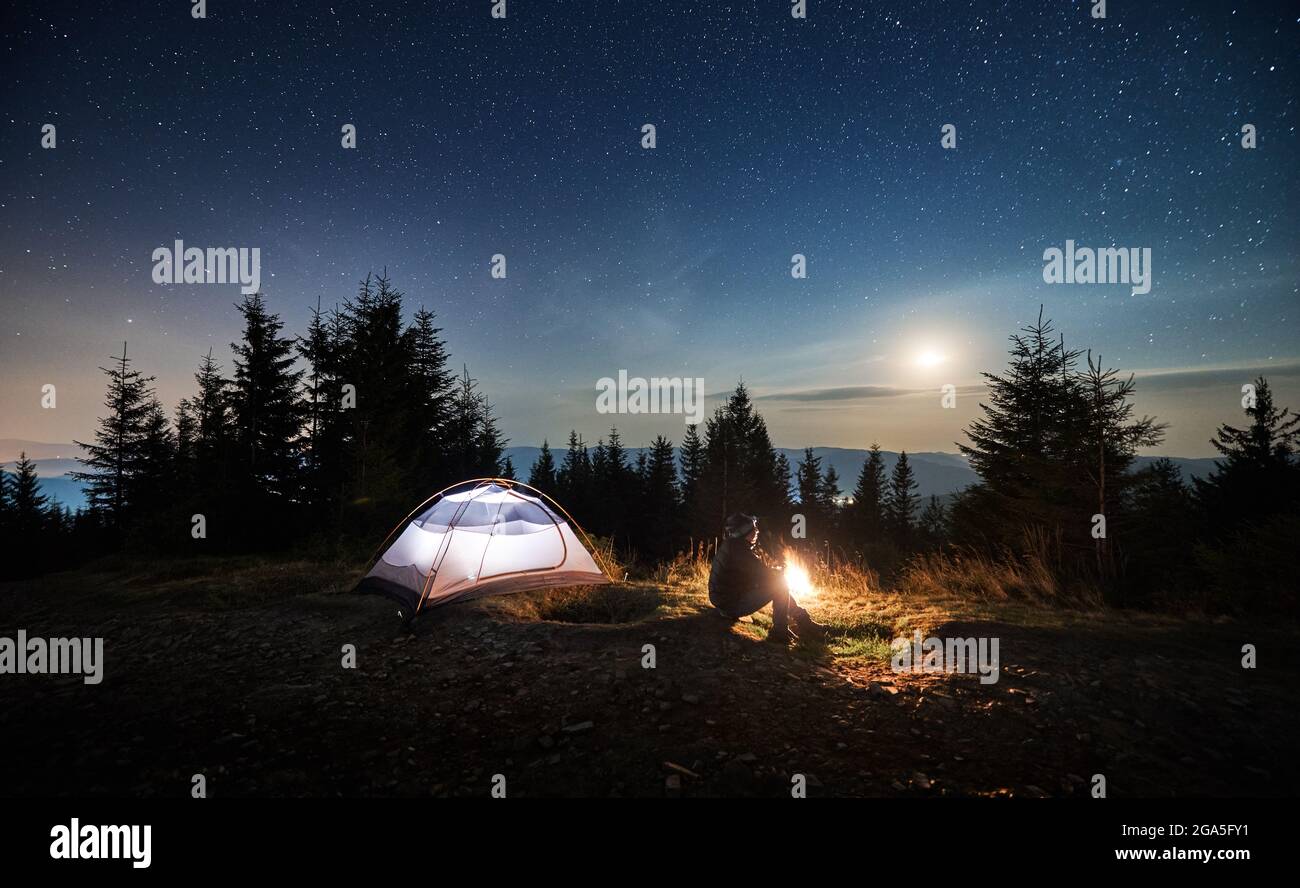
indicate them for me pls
(797, 580)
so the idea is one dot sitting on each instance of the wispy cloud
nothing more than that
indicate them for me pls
(858, 393)
(1205, 377)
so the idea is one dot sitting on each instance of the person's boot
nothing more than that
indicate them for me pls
(780, 635)
(809, 628)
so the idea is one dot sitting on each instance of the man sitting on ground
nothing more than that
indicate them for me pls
(740, 584)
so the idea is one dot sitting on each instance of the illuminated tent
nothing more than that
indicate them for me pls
(489, 536)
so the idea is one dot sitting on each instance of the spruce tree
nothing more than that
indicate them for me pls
(575, 475)
(187, 432)
(742, 470)
(829, 496)
(316, 348)
(30, 506)
(1160, 523)
(211, 470)
(598, 505)
(659, 518)
(114, 459)
(810, 489)
(434, 388)
(265, 403)
(1106, 439)
(6, 505)
(542, 473)
(866, 514)
(376, 361)
(615, 482)
(214, 431)
(693, 466)
(328, 428)
(933, 523)
(1022, 446)
(490, 444)
(474, 443)
(154, 476)
(901, 503)
(1259, 474)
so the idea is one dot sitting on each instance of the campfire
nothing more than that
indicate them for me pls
(797, 580)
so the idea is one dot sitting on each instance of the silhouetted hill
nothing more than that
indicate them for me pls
(11, 448)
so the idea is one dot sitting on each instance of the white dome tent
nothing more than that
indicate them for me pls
(488, 536)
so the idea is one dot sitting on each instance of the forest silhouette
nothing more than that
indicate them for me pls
(317, 443)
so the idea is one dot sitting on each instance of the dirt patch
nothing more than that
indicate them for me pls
(257, 698)
(615, 604)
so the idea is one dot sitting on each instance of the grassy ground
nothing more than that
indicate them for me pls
(233, 668)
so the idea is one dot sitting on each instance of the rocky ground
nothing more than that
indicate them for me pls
(213, 674)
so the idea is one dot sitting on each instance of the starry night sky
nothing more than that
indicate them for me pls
(775, 136)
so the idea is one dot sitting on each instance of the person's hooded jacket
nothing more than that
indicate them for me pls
(736, 572)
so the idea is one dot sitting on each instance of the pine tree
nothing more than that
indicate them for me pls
(474, 443)
(810, 489)
(598, 506)
(154, 478)
(462, 431)
(1020, 447)
(830, 496)
(187, 432)
(1107, 441)
(207, 479)
(901, 503)
(434, 392)
(742, 470)
(659, 517)
(542, 474)
(329, 431)
(830, 487)
(508, 470)
(766, 473)
(615, 480)
(574, 478)
(376, 361)
(214, 424)
(933, 524)
(6, 506)
(265, 402)
(184, 469)
(30, 506)
(1160, 522)
(782, 477)
(490, 444)
(114, 460)
(317, 349)
(693, 466)
(866, 515)
(1259, 475)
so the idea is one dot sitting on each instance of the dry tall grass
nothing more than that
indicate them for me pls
(1040, 573)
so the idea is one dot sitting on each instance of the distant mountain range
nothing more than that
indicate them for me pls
(936, 473)
(53, 463)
